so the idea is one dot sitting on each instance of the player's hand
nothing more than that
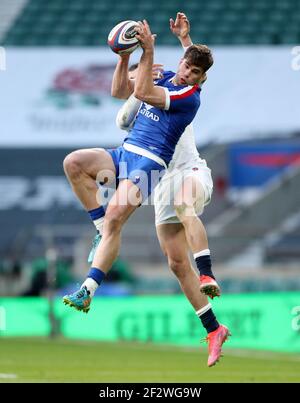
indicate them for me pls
(145, 36)
(157, 71)
(181, 26)
(124, 56)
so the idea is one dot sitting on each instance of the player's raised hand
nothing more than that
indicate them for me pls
(181, 26)
(144, 35)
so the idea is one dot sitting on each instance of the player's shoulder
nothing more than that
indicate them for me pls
(185, 93)
(168, 74)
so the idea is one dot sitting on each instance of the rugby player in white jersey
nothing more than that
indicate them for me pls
(179, 199)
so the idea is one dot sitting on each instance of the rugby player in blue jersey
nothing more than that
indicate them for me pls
(137, 166)
(179, 199)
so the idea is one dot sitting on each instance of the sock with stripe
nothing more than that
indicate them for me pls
(97, 215)
(93, 280)
(208, 318)
(203, 262)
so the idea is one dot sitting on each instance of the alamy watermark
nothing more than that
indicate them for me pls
(172, 193)
(2, 318)
(296, 319)
(2, 59)
(295, 64)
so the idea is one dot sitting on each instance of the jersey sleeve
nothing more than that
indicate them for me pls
(127, 114)
(182, 99)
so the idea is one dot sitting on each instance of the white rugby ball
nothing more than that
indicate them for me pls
(121, 38)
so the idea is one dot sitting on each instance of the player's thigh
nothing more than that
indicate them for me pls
(94, 162)
(173, 242)
(126, 199)
(191, 193)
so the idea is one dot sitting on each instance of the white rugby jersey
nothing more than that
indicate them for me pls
(186, 152)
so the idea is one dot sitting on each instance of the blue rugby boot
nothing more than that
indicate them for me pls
(80, 300)
(95, 244)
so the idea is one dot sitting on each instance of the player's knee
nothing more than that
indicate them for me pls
(177, 266)
(72, 165)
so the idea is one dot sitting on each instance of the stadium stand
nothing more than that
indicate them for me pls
(247, 222)
(9, 10)
(283, 245)
(215, 22)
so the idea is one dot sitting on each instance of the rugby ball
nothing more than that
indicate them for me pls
(121, 38)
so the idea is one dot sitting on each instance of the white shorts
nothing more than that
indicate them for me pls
(170, 185)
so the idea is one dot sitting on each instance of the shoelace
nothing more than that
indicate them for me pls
(80, 293)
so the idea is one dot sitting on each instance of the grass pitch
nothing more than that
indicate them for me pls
(62, 360)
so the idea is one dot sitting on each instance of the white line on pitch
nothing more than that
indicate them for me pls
(8, 376)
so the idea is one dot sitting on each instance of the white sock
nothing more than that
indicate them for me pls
(91, 286)
(203, 310)
(99, 225)
(203, 252)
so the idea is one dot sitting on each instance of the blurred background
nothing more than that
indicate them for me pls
(55, 76)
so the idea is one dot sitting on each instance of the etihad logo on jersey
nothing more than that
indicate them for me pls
(147, 106)
(150, 115)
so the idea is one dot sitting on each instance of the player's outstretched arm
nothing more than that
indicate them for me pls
(181, 28)
(144, 88)
(122, 87)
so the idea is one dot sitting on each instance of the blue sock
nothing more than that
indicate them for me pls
(204, 265)
(96, 274)
(97, 213)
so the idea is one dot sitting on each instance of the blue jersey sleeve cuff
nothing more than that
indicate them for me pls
(167, 104)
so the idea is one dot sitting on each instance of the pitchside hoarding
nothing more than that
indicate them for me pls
(264, 321)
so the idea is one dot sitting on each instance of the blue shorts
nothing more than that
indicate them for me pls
(142, 171)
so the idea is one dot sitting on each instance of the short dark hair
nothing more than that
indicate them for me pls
(200, 56)
(133, 67)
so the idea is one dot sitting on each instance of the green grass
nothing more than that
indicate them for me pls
(62, 360)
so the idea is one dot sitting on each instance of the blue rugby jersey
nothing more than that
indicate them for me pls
(159, 130)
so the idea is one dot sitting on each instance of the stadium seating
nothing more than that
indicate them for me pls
(216, 22)
(285, 249)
